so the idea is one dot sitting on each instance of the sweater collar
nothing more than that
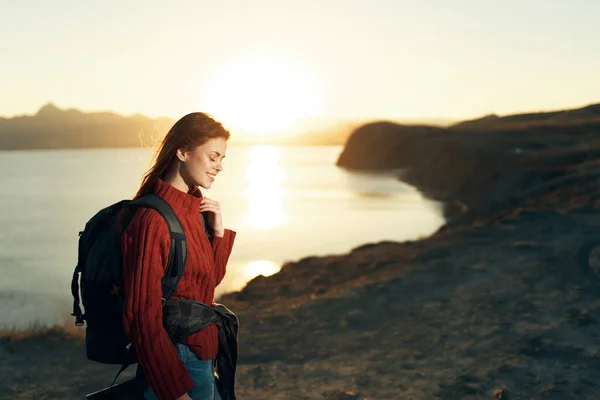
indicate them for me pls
(180, 201)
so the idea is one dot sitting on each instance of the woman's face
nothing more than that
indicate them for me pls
(203, 163)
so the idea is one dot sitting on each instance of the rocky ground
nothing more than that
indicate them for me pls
(504, 311)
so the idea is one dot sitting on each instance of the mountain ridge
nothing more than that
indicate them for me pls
(52, 127)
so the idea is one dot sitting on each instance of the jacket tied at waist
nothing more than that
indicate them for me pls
(183, 317)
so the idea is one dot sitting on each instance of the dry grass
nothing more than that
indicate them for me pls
(66, 331)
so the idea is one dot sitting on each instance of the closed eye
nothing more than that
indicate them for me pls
(218, 155)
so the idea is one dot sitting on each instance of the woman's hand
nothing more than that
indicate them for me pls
(184, 397)
(214, 220)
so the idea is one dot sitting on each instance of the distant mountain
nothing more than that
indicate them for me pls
(53, 128)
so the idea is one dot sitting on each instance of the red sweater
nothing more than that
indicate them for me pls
(145, 245)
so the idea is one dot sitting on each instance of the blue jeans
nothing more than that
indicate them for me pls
(202, 373)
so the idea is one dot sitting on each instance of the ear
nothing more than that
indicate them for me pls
(182, 154)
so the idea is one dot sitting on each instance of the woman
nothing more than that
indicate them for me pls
(190, 155)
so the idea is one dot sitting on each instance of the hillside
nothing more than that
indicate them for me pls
(483, 167)
(504, 311)
(588, 114)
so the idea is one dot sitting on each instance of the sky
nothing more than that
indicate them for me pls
(256, 61)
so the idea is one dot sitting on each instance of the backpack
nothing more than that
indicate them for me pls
(99, 262)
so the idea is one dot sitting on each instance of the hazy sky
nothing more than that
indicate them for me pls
(369, 58)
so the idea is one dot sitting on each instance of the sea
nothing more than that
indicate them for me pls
(285, 203)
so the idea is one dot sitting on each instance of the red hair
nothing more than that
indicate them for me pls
(190, 131)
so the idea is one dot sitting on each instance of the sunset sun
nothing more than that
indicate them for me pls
(262, 95)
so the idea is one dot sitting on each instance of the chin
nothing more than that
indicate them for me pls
(206, 184)
(195, 182)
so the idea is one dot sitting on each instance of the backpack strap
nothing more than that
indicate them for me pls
(178, 251)
(77, 313)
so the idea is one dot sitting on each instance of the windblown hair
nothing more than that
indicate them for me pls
(190, 131)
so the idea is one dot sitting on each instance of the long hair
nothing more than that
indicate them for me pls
(192, 130)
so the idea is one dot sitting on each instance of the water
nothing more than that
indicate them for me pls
(284, 202)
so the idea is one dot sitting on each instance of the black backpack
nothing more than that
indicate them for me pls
(99, 262)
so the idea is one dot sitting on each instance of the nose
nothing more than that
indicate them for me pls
(219, 167)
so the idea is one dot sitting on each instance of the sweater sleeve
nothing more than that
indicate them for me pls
(145, 245)
(222, 247)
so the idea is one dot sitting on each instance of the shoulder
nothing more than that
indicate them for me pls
(148, 221)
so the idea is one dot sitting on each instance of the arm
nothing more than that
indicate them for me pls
(145, 246)
(222, 247)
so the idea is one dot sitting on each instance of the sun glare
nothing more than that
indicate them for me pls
(262, 95)
(261, 267)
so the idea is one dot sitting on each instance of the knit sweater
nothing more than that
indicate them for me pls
(145, 245)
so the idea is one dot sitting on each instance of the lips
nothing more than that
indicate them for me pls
(212, 176)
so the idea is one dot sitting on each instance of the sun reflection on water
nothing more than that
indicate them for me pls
(265, 192)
